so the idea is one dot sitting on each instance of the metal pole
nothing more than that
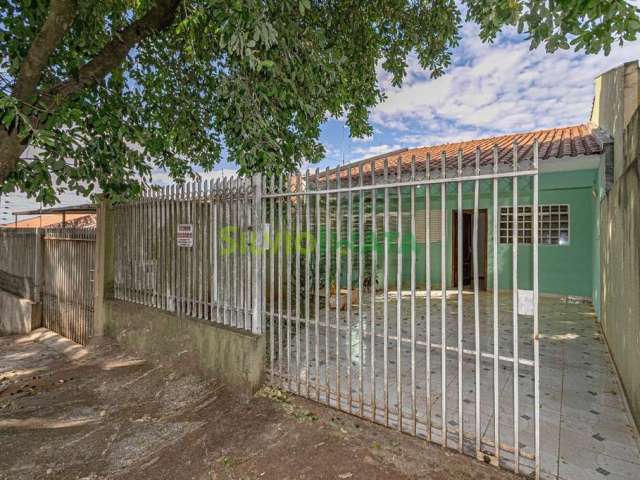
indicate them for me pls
(427, 261)
(496, 319)
(372, 282)
(258, 265)
(327, 288)
(399, 298)
(338, 265)
(443, 307)
(386, 293)
(516, 409)
(298, 281)
(460, 306)
(476, 302)
(307, 279)
(349, 290)
(414, 413)
(360, 287)
(317, 289)
(536, 336)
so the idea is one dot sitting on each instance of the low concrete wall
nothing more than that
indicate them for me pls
(234, 356)
(19, 286)
(17, 315)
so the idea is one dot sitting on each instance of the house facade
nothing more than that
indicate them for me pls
(571, 165)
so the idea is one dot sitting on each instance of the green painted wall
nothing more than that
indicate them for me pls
(564, 269)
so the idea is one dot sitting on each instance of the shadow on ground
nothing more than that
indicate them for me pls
(102, 414)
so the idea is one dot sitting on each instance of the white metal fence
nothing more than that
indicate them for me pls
(357, 316)
(19, 249)
(191, 249)
(68, 282)
(349, 328)
(54, 267)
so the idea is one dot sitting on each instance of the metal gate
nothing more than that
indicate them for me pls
(67, 287)
(362, 313)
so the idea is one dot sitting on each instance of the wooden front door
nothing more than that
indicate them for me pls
(467, 248)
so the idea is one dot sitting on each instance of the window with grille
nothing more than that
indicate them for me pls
(553, 224)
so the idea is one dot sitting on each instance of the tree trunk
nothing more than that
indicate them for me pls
(60, 17)
(10, 150)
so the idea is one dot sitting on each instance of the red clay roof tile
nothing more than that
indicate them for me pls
(552, 143)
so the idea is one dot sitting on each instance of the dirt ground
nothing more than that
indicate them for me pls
(71, 413)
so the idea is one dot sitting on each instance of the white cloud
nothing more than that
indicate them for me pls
(499, 87)
(373, 150)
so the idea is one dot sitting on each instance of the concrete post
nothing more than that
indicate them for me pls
(104, 267)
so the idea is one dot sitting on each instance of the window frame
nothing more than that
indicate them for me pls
(505, 210)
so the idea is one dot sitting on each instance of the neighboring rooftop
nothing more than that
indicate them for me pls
(54, 220)
(560, 142)
(84, 208)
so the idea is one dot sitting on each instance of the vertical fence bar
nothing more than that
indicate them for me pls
(165, 248)
(238, 270)
(317, 279)
(176, 192)
(496, 319)
(232, 254)
(327, 286)
(372, 286)
(226, 252)
(349, 292)
(414, 411)
(199, 227)
(399, 298)
(298, 280)
(258, 253)
(460, 306)
(338, 292)
(427, 269)
(281, 242)
(443, 286)
(207, 248)
(174, 248)
(181, 252)
(213, 218)
(246, 245)
(516, 358)
(536, 337)
(218, 219)
(307, 278)
(147, 215)
(385, 287)
(154, 262)
(287, 252)
(360, 287)
(191, 253)
(476, 302)
(272, 276)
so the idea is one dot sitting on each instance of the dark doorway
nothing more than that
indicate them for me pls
(467, 248)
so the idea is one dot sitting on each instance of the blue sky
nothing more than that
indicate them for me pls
(489, 89)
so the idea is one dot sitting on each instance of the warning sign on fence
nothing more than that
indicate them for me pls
(185, 235)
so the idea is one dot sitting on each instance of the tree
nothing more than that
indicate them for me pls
(102, 92)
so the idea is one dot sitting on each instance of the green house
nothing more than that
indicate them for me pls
(571, 168)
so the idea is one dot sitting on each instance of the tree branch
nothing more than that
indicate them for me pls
(160, 16)
(59, 19)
